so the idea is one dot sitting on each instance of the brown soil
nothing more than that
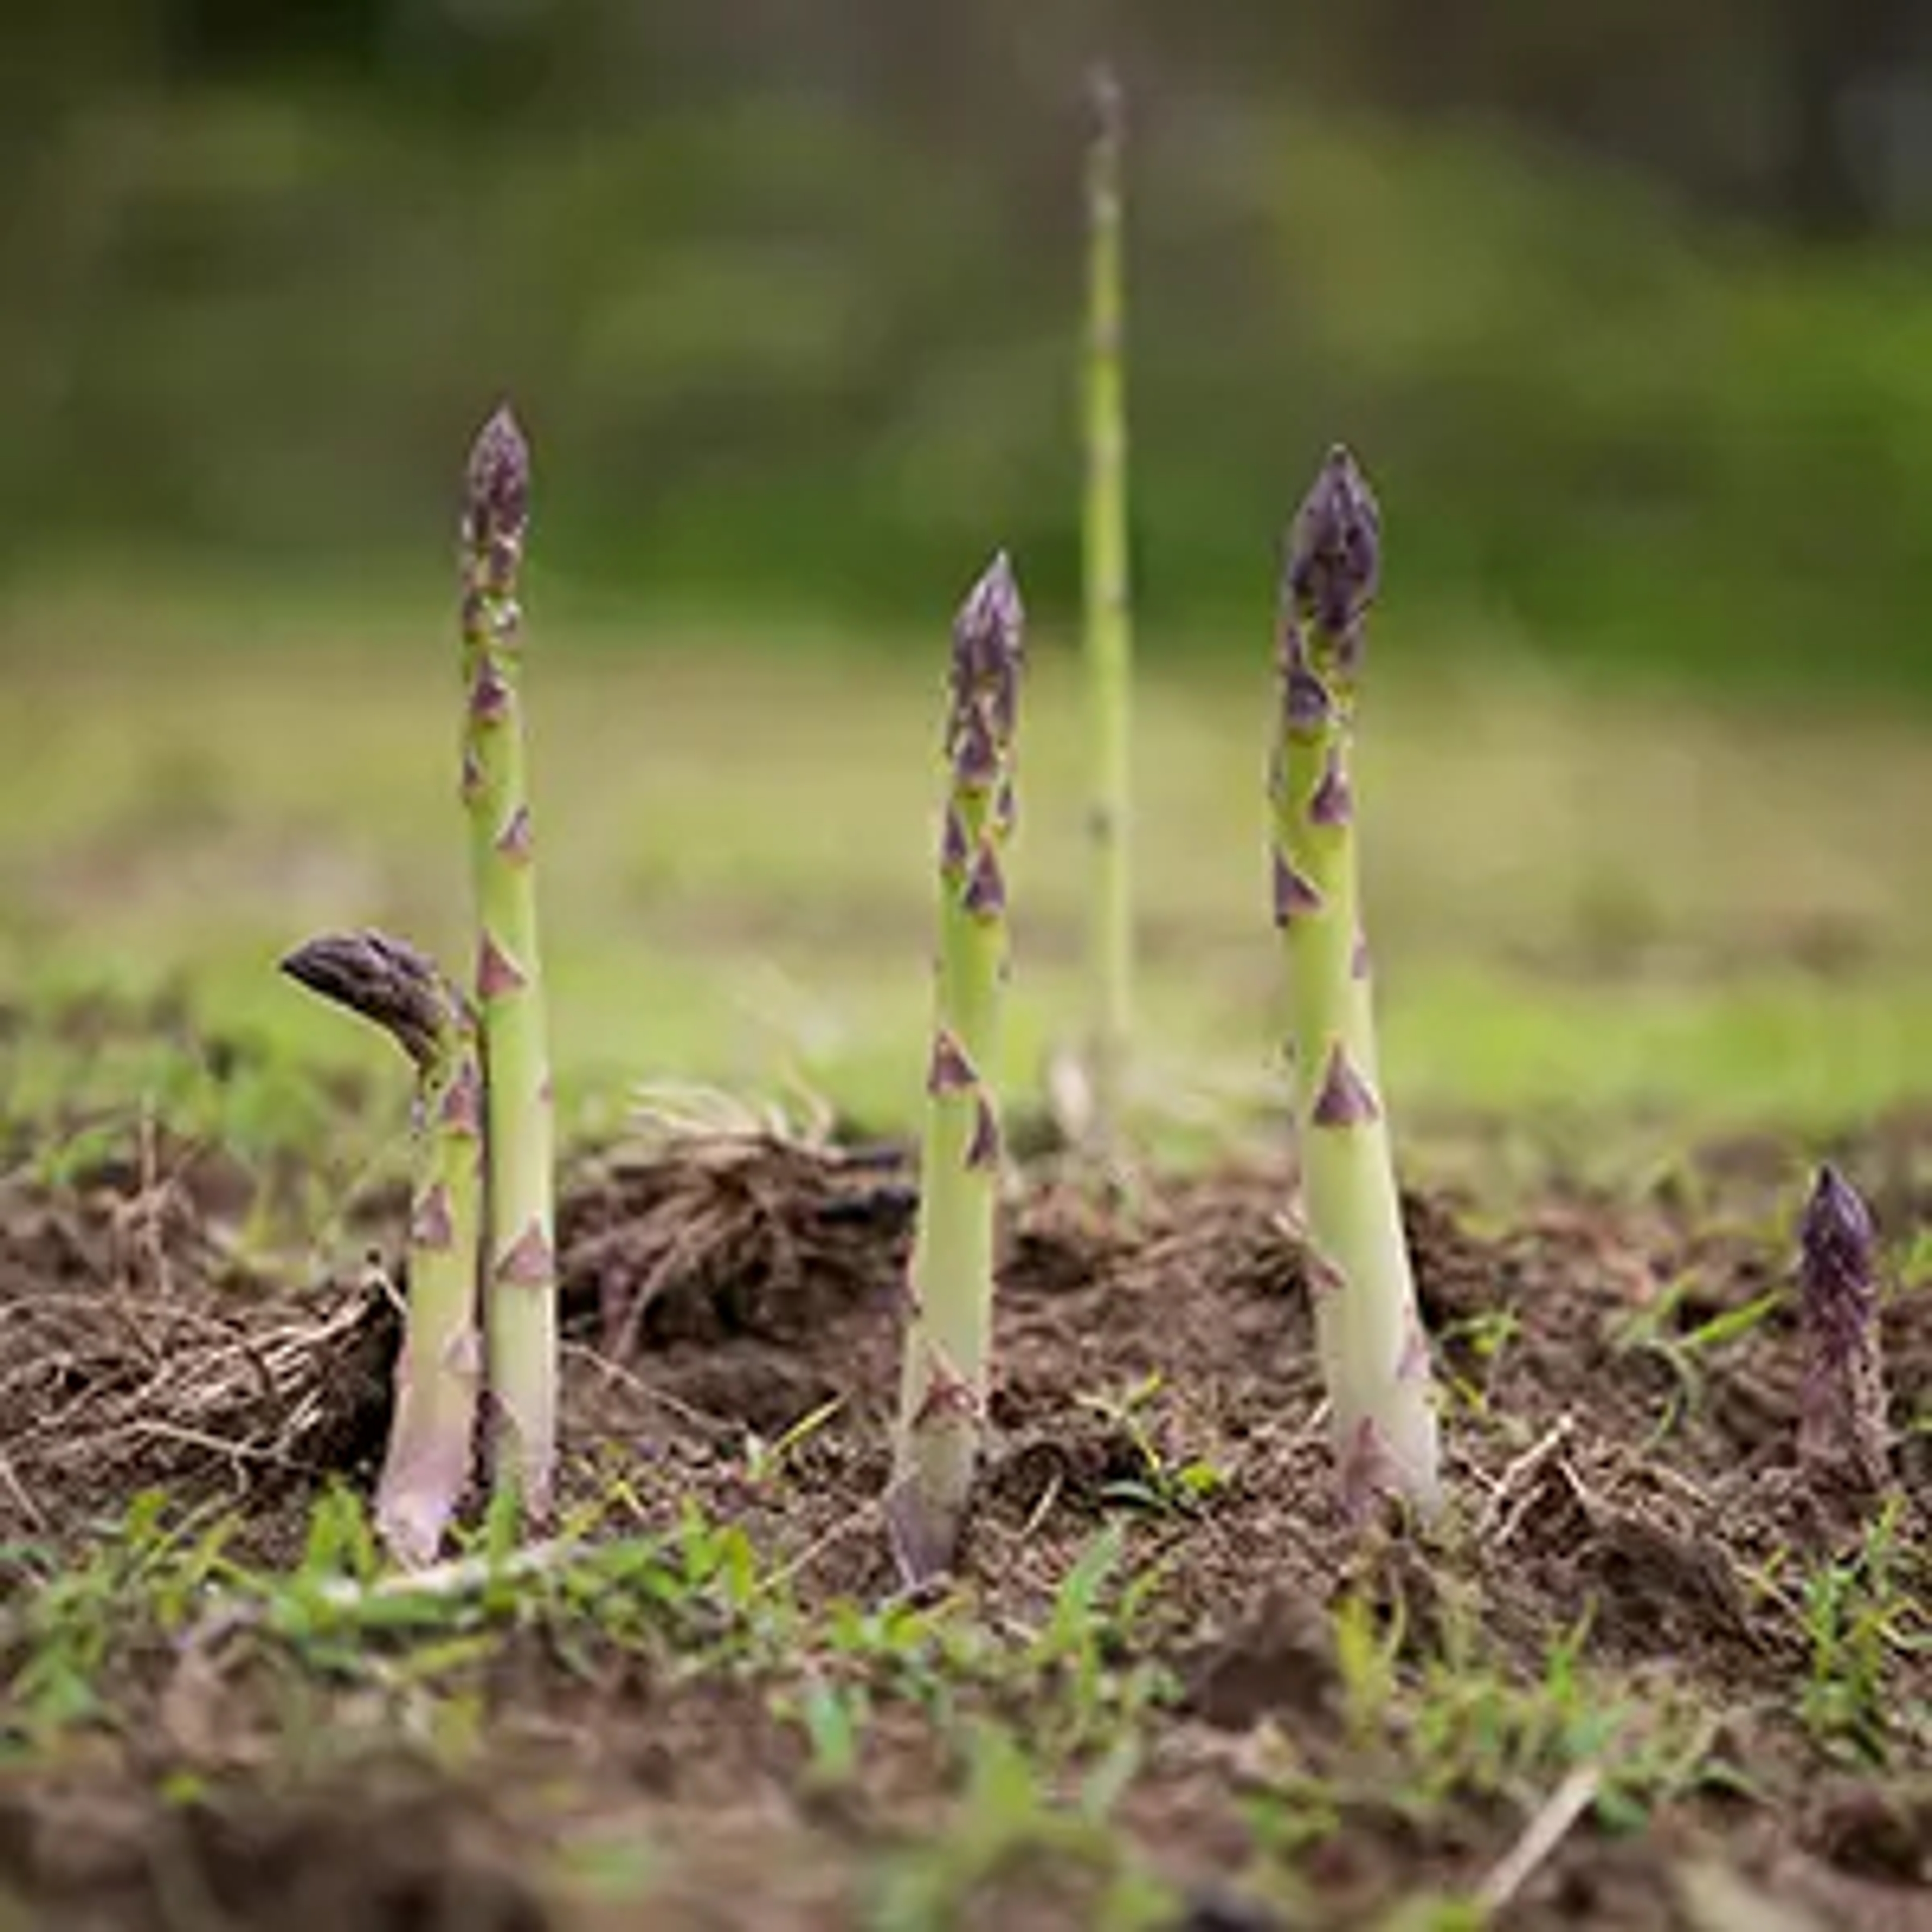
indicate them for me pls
(718, 1291)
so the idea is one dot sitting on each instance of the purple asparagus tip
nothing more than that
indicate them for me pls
(385, 980)
(986, 657)
(1843, 1429)
(986, 637)
(1334, 559)
(498, 493)
(1840, 1251)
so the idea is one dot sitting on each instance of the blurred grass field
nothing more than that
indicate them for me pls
(1588, 901)
(783, 355)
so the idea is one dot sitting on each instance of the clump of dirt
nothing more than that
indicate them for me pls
(137, 1353)
(731, 1236)
(1155, 1358)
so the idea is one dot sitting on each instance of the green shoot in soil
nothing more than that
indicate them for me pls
(1109, 622)
(1375, 1357)
(521, 1283)
(948, 1332)
(1842, 1429)
(432, 1434)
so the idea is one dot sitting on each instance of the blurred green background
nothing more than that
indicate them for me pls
(1626, 302)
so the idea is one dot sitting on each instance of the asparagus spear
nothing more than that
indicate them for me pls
(1109, 619)
(1374, 1359)
(1842, 1430)
(520, 1280)
(432, 1430)
(948, 1334)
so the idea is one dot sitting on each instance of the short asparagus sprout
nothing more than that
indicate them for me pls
(1109, 619)
(520, 1278)
(432, 1433)
(949, 1329)
(1842, 1431)
(1375, 1358)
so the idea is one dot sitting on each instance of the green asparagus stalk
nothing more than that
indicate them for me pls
(1109, 621)
(1374, 1359)
(1843, 1433)
(432, 1430)
(520, 1279)
(942, 1392)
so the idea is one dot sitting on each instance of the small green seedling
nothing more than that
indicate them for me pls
(1158, 1484)
(766, 1462)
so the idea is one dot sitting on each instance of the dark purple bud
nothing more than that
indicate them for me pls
(1333, 801)
(496, 972)
(497, 491)
(1346, 1100)
(1294, 897)
(982, 1150)
(1007, 808)
(985, 894)
(528, 1260)
(1839, 1241)
(951, 1070)
(1838, 1273)
(471, 786)
(987, 648)
(388, 983)
(1334, 558)
(1843, 1432)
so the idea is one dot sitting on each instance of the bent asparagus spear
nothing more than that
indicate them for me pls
(432, 1431)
